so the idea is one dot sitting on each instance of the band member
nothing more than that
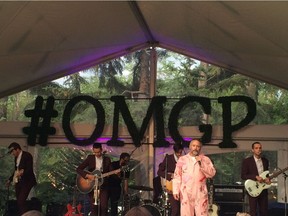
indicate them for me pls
(23, 176)
(118, 183)
(100, 162)
(252, 167)
(166, 172)
(189, 182)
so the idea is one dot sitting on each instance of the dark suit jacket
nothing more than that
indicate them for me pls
(249, 168)
(26, 163)
(89, 165)
(171, 165)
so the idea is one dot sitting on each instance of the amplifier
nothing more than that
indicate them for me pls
(228, 193)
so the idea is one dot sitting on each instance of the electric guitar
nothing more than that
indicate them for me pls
(213, 209)
(85, 185)
(17, 176)
(167, 185)
(254, 188)
(73, 210)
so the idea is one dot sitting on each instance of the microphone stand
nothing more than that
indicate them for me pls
(97, 196)
(166, 164)
(123, 194)
(285, 190)
(165, 193)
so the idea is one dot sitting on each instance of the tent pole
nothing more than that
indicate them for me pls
(153, 72)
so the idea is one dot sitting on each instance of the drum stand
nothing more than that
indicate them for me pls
(166, 204)
(165, 191)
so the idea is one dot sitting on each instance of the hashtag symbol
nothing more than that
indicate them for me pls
(36, 127)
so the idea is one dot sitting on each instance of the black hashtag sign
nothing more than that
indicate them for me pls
(37, 127)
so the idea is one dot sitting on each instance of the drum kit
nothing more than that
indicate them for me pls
(136, 202)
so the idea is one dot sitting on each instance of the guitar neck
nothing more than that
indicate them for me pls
(211, 196)
(278, 173)
(110, 173)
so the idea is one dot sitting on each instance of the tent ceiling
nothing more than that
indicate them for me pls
(44, 40)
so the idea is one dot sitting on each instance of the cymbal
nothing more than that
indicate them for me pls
(140, 187)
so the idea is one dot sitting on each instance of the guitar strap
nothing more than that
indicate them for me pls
(18, 159)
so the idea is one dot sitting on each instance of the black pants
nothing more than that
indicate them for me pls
(103, 208)
(114, 196)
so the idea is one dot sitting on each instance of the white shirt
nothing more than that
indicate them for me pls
(18, 159)
(259, 165)
(98, 162)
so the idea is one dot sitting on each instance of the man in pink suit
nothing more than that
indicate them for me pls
(189, 183)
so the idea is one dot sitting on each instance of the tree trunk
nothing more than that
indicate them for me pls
(144, 74)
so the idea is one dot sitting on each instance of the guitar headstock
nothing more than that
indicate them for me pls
(125, 168)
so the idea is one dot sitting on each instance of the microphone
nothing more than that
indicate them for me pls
(199, 161)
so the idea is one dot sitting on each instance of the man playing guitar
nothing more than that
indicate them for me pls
(252, 167)
(166, 171)
(98, 196)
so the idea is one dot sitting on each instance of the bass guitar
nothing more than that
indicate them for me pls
(85, 185)
(254, 188)
(213, 209)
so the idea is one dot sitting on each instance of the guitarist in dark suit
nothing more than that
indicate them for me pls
(100, 162)
(23, 177)
(166, 169)
(252, 167)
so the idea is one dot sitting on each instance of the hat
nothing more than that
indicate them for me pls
(13, 146)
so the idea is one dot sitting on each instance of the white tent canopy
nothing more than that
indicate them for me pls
(45, 40)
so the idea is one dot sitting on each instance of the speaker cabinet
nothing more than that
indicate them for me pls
(229, 193)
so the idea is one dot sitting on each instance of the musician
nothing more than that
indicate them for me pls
(252, 167)
(116, 185)
(23, 176)
(100, 162)
(166, 171)
(189, 182)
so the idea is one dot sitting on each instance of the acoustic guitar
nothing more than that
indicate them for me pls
(85, 185)
(213, 209)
